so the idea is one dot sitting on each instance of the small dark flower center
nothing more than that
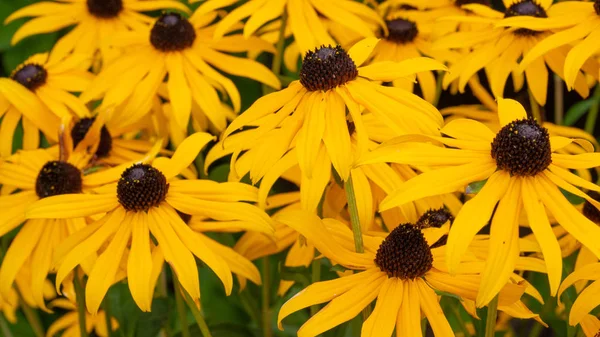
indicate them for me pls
(525, 8)
(522, 148)
(80, 130)
(459, 3)
(590, 211)
(326, 68)
(105, 9)
(172, 32)
(597, 9)
(436, 218)
(31, 76)
(141, 186)
(404, 253)
(401, 30)
(57, 177)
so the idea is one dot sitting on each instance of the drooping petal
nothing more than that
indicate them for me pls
(382, 320)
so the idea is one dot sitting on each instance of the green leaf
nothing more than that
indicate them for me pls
(475, 187)
(577, 110)
(150, 323)
(573, 199)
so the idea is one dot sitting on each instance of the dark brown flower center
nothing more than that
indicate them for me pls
(31, 76)
(172, 32)
(525, 8)
(436, 218)
(590, 211)
(81, 128)
(522, 148)
(597, 9)
(326, 68)
(404, 253)
(401, 30)
(105, 9)
(57, 177)
(141, 186)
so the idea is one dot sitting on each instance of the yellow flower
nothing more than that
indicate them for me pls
(498, 49)
(38, 92)
(590, 325)
(588, 299)
(185, 51)
(140, 200)
(96, 23)
(304, 18)
(69, 322)
(577, 23)
(403, 271)
(523, 170)
(306, 123)
(37, 175)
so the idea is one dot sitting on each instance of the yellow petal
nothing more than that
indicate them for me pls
(139, 262)
(388, 71)
(382, 320)
(431, 308)
(185, 154)
(361, 50)
(509, 111)
(72, 206)
(409, 318)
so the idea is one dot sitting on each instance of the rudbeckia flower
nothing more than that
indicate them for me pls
(307, 122)
(498, 49)
(39, 93)
(139, 200)
(409, 36)
(96, 23)
(69, 321)
(523, 170)
(405, 269)
(304, 18)
(185, 51)
(38, 174)
(576, 23)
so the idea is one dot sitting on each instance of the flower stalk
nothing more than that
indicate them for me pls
(81, 309)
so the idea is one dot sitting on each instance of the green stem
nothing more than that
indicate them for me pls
(278, 57)
(535, 108)
(492, 314)
(197, 315)
(438, 87)
(81, 308)
(266, 298)
(559, 100)
(107, 316)
(536, 330)
(4, 327)
(181, 312)
(590, 122)
(316, 277)
(354, 220)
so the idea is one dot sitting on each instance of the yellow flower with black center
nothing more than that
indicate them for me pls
(185, 51)
(304, 18)
(403, 271)
(36, 175)
(96, 23)
(136, 201)
(498, 49)
(576, 23)
(39, 93)
(523, 169)
(307, 123)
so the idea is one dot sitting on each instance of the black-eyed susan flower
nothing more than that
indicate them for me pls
(36, 175)
(573, 23)
(185, 51)
(139, 200)
(68, 323)
(96, 23)
(307, 123)
(403, 274)
(408, 36)
(304, 18)
(498, 49)
(523, 170)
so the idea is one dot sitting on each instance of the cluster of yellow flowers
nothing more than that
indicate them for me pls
(122, 119)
